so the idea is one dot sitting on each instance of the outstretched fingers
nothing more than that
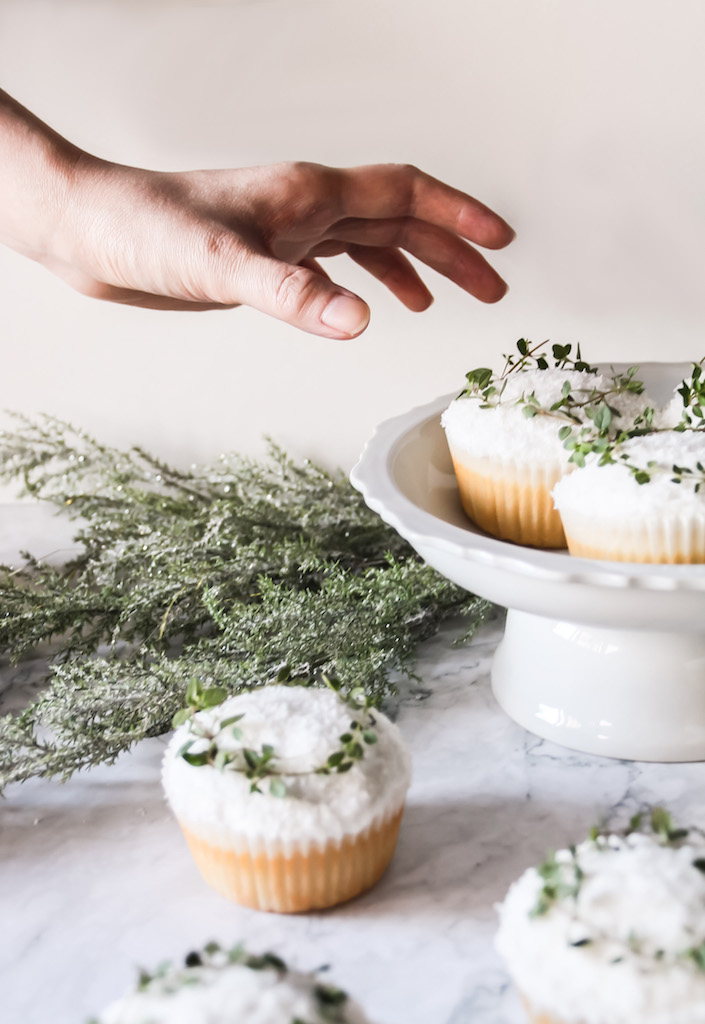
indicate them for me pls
(395, 271)
(391, 190)
(439, 249)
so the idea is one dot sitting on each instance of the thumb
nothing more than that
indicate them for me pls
(301, 297)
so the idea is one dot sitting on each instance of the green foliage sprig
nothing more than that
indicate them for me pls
(224, 572)
(586, 415)
(483, 382)
(258, 765)
(692, 392)
(562, 879)
(166, 979)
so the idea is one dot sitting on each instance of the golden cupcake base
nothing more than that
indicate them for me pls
(510, 501)
(542, 1018)
(678, 541)
(305, 879)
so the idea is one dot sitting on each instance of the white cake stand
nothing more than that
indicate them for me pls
(605, 657)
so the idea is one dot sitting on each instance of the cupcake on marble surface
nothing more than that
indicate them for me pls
(646, 505)
(290, 797)
(218, 986)
(507, 436)
(611, 931)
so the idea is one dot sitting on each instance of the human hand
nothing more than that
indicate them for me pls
(217, 239)
(209, 239)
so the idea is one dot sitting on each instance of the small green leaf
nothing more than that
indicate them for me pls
(196, 760)
(230, 721)
(277, 787)
(213, 696)
(194, 691)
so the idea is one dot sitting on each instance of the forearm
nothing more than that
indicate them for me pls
(36, 170)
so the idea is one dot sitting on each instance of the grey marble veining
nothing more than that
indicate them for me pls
(96, 879)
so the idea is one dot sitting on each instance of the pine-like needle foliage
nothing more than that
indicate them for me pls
(226, 572)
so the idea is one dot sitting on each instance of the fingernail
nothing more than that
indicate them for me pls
(346, 314)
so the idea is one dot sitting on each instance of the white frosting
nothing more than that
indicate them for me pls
(303, 725)
(504, 431)
(672, 413)
(641, 905)
(611, 491)
(236, 993)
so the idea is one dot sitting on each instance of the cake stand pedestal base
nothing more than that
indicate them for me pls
(632, 694)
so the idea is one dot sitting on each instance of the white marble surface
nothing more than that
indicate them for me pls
(96, 879)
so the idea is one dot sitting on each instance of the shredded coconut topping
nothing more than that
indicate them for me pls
(612, 491)
(303, 725)
(208, 995)
(503, 431)
(622, 949)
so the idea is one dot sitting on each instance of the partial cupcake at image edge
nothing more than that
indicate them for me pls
(611, 931)
(646, 505)
(509, 436)
(221, 986)
(290, 796)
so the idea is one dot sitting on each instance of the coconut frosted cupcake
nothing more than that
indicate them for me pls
(646, 506)
(226, 986)
(290, 797)
(611, 932)
(507, 437)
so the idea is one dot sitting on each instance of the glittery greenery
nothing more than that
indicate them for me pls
(225, 573)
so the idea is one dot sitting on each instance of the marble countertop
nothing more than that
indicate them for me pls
(95, 878)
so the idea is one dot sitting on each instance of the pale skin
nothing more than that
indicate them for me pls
(216, 239)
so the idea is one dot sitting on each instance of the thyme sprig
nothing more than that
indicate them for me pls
(586, 414)
(692, 392)
(562, 880)
(262, 764)
(167, 979)
(224, 572)
(563, 877)
(483, 383)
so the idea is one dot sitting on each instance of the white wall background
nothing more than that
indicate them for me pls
(582, 121)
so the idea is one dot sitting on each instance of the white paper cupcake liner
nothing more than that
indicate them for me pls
(511, 499)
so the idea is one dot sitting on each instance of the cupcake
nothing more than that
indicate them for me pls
(290, 797)
(507, 436)
(647, 505)
(611, 932)
(218, 986)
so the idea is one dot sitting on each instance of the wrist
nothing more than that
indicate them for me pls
(37, 175)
